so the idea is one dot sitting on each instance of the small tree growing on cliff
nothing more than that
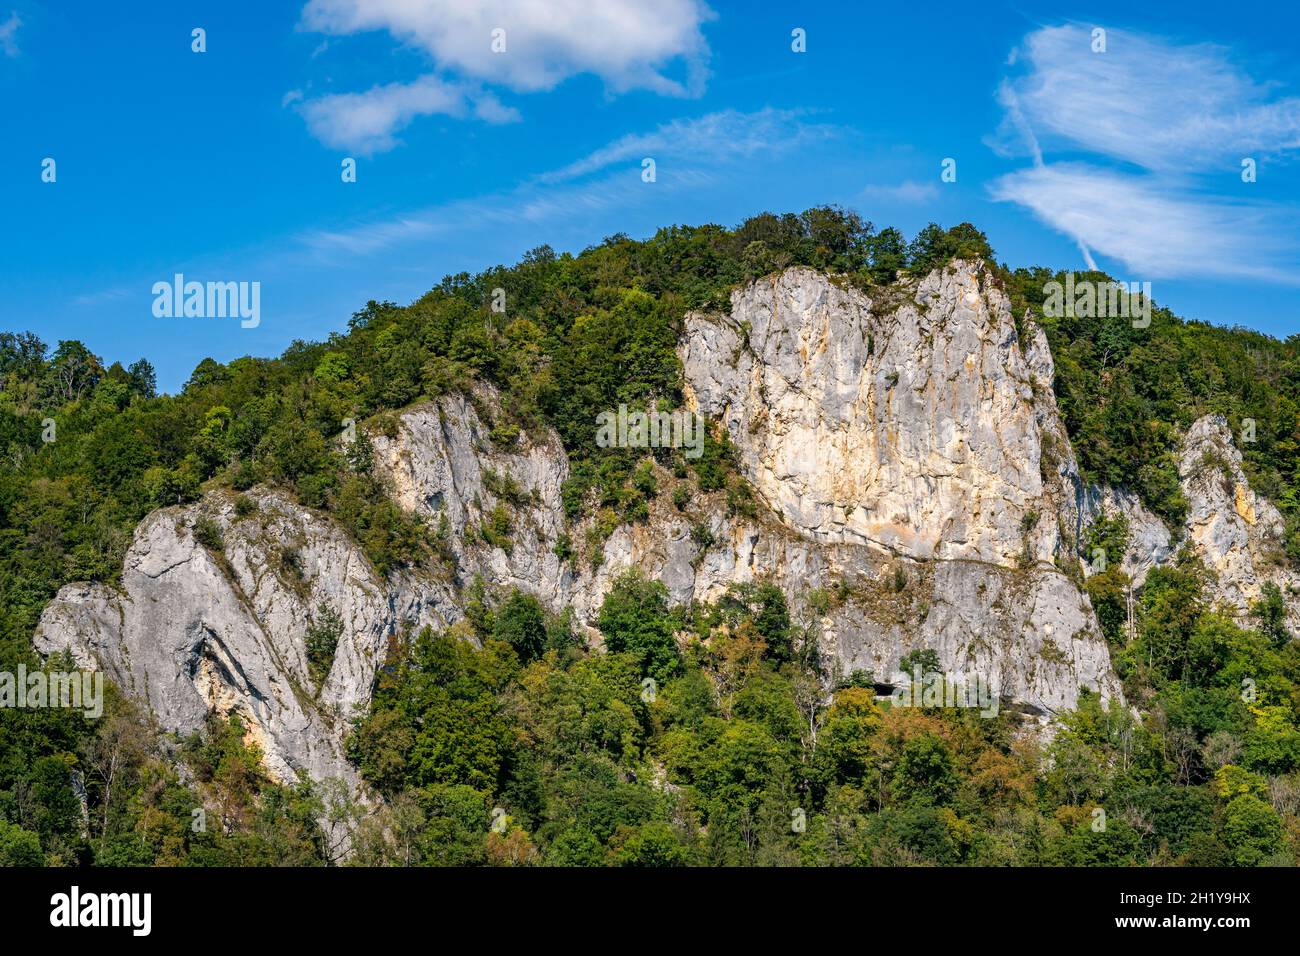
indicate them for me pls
(520, 622)
(322, 641)
(1270, 612)
(635, 619)
(924, 659)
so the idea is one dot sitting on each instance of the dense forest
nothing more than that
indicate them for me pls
(705, 734)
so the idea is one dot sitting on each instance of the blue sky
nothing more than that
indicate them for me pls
(225, 165)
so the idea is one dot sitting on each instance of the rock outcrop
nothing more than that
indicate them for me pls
(911, 431)
(916, 486)
(1236, 532)
(195, 630)
(906, 442)
(441, 463)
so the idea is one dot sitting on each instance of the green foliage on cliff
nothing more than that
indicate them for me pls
(740, 758)
(580, 335)
(1128, 394)
(732, 754)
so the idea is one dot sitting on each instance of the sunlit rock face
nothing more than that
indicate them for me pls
(911, 469)
(1236, 532)
(902, 440)
(910, 430)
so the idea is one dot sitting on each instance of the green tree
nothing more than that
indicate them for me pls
(1251, 830)
(634, 618)
(521, 623)
(1270, 612)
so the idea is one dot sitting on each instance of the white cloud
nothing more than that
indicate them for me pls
(1166, 126)
(716, 137)
(9, 33)
(366, 122)
(1146, 100)
(1157, 231)
(627, 43)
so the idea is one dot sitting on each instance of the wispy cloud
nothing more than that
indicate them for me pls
(1147, 101)
(367, 122)
(908, 191)
(9, 34)
(525, 204)
(698, 151)
(1156, 230)
(1165, 127)
(716, 137)
(524, 46)
(105, 297)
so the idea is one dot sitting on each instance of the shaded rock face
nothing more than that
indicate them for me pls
(1078, 505)
(909, 457)
(1150, 544)
(193, 631)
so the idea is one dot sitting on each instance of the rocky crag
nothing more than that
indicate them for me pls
(905, 451)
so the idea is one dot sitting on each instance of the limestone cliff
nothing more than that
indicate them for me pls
(193, 630)
(905, 448)
(909, 431)
(1236, 532)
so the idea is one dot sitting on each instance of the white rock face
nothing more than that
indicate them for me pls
(193, 633)
(442, 462)
(907, 440)
(1237, 533)
(910, 458)
(911, 431)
